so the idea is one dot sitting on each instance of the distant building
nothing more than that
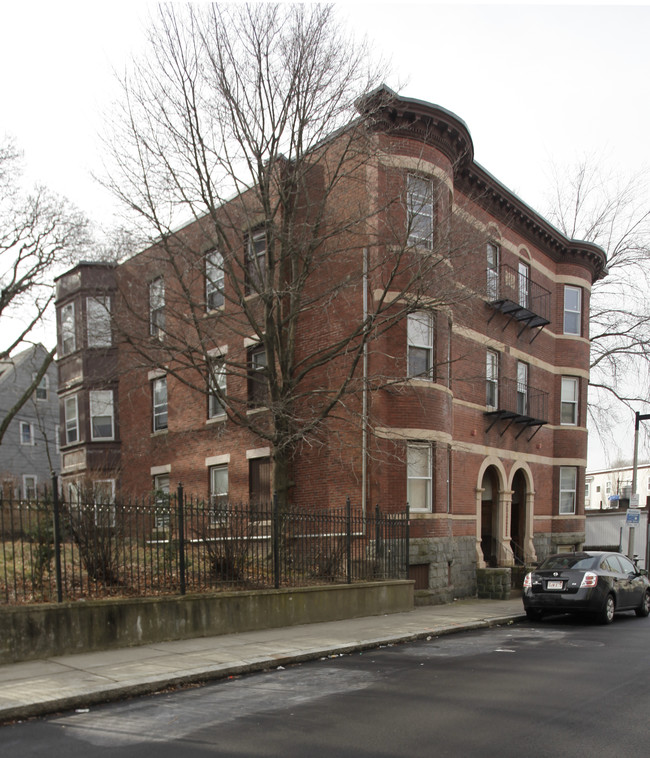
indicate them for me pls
(612, 487)
(29, 451)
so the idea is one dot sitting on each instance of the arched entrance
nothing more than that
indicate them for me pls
(518, 518)
(490, 516)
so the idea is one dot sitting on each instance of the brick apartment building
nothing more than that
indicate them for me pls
(470, 404)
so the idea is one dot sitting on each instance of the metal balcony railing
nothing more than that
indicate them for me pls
(517, 296)
(514, 403)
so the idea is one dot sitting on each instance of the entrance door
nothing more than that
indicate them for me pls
(489, 506)
(518, 517)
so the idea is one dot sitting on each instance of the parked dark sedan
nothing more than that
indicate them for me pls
(587, 582)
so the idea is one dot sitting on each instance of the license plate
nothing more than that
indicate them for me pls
(554, 585)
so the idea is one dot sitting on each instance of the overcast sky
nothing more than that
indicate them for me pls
(535, 83)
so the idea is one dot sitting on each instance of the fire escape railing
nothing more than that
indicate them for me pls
(520, 298)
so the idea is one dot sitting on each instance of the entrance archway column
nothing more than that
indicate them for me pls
(530, 555)
(505, 556)
(480, 558)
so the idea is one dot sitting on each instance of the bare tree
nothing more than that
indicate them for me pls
(591, 205)
(38, 230)
(255, 123)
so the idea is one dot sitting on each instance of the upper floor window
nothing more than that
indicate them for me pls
(217, 388)
(524, 284)
(102, 425)
(572, 310)
(255, 261)
(159, 395)
(157, 307)
(42, 391)
(26, 433)
(68, 336)
(419, 208)
(492, 379)
(420, 344)
(419, 476)
(569, 401)
(522, 388)
(258, 387)
(71, 414)
(492, 269)
(98, 321)
(568, 479)
(214, 280)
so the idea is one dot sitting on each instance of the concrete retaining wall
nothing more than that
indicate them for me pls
(42, 631)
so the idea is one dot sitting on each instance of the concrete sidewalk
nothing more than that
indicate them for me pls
(36, 688)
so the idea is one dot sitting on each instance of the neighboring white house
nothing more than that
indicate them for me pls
(611, 488)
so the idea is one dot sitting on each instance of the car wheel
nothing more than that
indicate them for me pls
(644, 609)
(534, 614)
(606, 615)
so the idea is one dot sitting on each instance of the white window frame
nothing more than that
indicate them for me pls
(419, 209)
(26, 487)
(98, 321)
(218, 495)
(217, 379)
(157, 307)
(420, 341)
(492, 255)
(567, 402)
(101, 400)
(417, 479)
(214, 280)
(71, 421)
(68, 330)
(158, 404)
(28, 440)
(572, 313)
(567, 503)
(162, 490)
(43, 387)
(492, 379)
(255, 261)
(522, 388)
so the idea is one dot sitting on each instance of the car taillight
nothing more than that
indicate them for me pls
(528, 580)
(589, 580)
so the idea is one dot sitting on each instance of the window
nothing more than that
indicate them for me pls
(420, 344)
(101, 415)
(162, 501)
(71, 420)
(572, 310)
(68, 338)
(257, 380)
(259, 485)
(29, 487)
(157, 308)
(524, 284)
(42, 389)
(569, 401)
(568, 478)
(492, 379)
(608, 488)
(159, 393)
(522, 388)
(255, 261)
(218, 489)
(98, 321)
(104, 503)
(492, 271)
(214, 279)
(587, 491)
(418, 473)
(419, 206)
(26, 433)
(217, 384)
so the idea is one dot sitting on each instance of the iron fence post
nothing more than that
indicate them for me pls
(57, 538)
(348, 539)
(407, 546)
(181, 537)
(275, 538)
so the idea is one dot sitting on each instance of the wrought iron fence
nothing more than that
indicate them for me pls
(55, 551)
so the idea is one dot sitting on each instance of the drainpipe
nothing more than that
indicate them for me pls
(364, 394)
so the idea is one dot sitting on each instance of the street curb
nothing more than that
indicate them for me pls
(153, 685)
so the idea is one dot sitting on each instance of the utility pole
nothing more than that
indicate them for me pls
(638, 418)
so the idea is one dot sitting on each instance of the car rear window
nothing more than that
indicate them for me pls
(568, 561)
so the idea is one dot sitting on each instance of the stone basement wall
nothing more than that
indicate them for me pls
(494, 583)
(452, 568)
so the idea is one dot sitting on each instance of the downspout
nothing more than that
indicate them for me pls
(364, 392)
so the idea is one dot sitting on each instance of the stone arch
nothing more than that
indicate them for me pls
(522, 512)
(492, 512)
